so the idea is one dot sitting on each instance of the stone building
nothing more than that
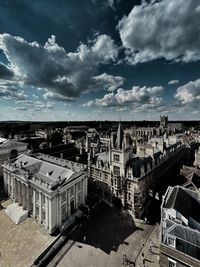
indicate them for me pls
(10, 149)
(48, 189)
(125, 178)
(180, 228)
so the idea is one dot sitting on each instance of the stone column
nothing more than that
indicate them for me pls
(83, 190)
(40, 207)
(50, 214)
(16, 191)
(5, 178)
(12, 188)
(34, 204)
(19, 193)
(47, 211)
(28, 199)
(24, 200)
(68, 202)
(8, 183)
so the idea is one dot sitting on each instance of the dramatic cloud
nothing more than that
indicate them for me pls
(107, 82)
(172, 82)
(137, 95)
(9, 91)
(162, 29)
(5, 72)
(189, 94)
(62, 75)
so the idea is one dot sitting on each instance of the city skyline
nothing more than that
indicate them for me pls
(78, 60)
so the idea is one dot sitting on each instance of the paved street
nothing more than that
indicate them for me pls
(106, 237)
(20, 244)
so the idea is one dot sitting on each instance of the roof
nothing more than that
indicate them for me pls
(42, 168)
(187, 240)
(119, 138)
(10, 144)
(184, 202)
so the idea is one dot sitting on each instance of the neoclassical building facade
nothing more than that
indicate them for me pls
(49, 188)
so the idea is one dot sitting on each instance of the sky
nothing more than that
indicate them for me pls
(64, 60)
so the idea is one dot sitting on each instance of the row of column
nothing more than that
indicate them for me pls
(20, 192)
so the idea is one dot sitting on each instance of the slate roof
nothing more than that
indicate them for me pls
(42, 168)
(187, 241)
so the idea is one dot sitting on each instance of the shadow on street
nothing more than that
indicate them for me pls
(107, 229)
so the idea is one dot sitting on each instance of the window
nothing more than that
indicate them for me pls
(171, 263)
(116, 170)
(171, 242)
(116, 157)
(129, 175)
(106, 176)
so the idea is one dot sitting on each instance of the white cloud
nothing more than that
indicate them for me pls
(107, 82)
(162, 29)
(172, 82)
(189, 93)
(60, 74)
(21, 108)
(122, 97)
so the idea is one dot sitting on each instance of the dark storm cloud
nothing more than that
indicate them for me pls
(61, 74)
(5, 72)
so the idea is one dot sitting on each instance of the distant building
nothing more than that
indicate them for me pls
(180, 228)
(50, 189)
(10, 149)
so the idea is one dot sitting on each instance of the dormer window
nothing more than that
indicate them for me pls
(50, 173)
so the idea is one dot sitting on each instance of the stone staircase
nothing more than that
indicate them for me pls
(16, 213)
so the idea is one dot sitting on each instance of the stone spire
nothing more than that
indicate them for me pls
(119, 139)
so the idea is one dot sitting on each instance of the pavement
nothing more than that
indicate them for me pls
(20, 244)
(105, 238)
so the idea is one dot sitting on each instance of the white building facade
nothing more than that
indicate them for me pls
(49, 188)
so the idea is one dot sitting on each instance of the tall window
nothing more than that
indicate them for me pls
(116, 157)
(116, 170)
